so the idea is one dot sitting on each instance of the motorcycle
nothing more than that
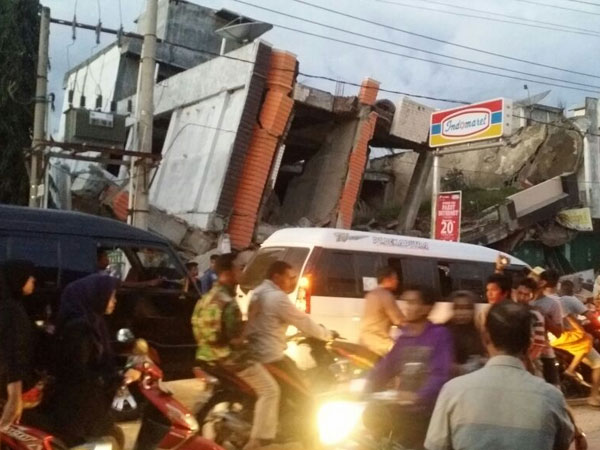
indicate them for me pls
(340, 419)
(226, 417)
(165, 422)
(578, 386)
(23, 437)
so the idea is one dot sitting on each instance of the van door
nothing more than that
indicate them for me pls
(153, 303)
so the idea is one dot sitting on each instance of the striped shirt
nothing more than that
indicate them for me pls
(499, 407)
(538, 335)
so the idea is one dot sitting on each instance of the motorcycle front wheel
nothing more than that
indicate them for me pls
(226, 419)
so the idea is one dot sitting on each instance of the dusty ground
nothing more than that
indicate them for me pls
(189, 392)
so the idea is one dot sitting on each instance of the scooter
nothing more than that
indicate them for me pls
(166, 423)
(227, 416)
(22, 437)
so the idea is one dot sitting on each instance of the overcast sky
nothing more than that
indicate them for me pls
(567, 50)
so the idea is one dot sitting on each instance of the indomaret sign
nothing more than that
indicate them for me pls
(447, 217)
(477, 122)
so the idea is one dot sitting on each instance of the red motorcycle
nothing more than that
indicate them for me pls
(22, 437)
(166, 423)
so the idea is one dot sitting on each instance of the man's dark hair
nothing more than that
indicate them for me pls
(277, 268)
(528, 283)
(224, 263)
(502, 281)
(191, 264)
(425, 293)
(214, 257)
(567, 287)
(551, 277)
(385, 272)
(101, 251)
(509, 327)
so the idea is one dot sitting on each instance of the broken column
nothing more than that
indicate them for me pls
(274, 116)
(327, 190)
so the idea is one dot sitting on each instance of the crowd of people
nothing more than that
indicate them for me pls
(494, 372)
(484, 379)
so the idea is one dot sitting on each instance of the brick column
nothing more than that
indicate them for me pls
(272, 121)
(358, 158)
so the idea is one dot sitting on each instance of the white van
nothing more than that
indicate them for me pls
(337, 267)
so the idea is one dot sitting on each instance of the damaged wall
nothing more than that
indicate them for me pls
(326, 191)
(315, 194)
(215, 106)
(533, 154)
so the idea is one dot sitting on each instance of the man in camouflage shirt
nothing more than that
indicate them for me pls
(218, 329)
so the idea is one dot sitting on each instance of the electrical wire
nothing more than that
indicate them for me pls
(336, 80)
(329, 26)
(564, 8)
(439, 63)
(440, 41)
(490, 19)
(583, 2)
(497, 14)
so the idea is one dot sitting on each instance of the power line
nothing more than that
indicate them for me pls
(564, 8)
(416, 58)
(564, 29)
(583, 2)
(326, 25)
(494, 13)
(336, 80)
(438, 40)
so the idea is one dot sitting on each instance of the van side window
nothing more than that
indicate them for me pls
(470, 277)
(367, 265)
(257, 268)
(421, 272)
(445, 280)
(396, 264)
(338, 278)
(43, 252)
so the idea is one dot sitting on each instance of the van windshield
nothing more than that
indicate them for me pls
(256, 270)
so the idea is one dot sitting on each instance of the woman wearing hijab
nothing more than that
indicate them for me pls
(86, 375)
(16, 338)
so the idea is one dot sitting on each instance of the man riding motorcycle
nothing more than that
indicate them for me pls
(269, 315)
(218, 329)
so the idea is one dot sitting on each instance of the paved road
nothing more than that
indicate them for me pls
(588, 418)
(189, 392)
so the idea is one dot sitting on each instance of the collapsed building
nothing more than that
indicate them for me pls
(243, 148)
(241, 142)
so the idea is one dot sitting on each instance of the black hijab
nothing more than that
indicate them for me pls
(16, 272)
(86, 300)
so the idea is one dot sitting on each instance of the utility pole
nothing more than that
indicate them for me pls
(39, 120)
(145, 116)
(435, 190)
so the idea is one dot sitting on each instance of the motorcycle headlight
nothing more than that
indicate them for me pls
(337, 420)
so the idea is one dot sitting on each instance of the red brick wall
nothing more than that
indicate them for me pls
(273, 118)
(356, 168)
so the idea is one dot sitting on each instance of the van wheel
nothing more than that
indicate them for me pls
(125, 407)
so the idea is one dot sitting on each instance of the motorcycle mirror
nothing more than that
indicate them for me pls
(125, 336)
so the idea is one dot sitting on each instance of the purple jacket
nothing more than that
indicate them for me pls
(421, 364)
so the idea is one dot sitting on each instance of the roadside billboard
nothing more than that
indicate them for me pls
(447, 216)
(471, 123)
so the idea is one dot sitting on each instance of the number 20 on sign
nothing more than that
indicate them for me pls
(448, 215)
